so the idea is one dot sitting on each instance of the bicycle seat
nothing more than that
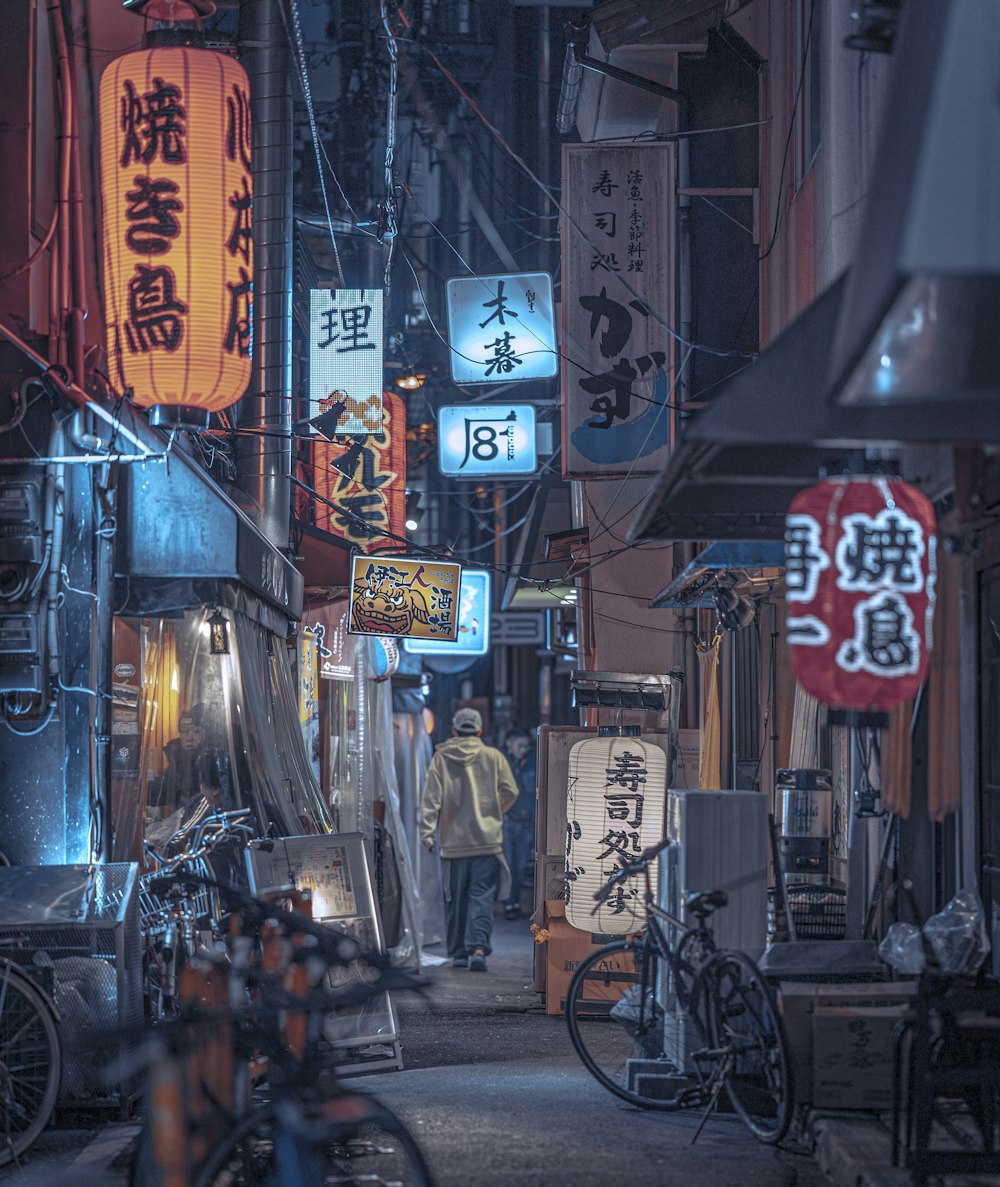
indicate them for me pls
(703, 905)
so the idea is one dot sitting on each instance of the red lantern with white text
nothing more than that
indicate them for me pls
(178, 246)
(860, 569)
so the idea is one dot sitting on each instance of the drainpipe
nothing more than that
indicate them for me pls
(264, 461)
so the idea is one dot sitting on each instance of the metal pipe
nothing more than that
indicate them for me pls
(264, 463)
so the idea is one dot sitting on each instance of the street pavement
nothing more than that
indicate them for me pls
(496, 1096)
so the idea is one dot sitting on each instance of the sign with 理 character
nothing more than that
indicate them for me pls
(403, 596)
(617, 309)
(487, 440)
(502, 328)
(345, 357)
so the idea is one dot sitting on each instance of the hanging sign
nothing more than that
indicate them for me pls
(336, 650)
(345, 357)
(363, 482)
(615, 808)
(487, 440)
(473, 636)
(617, 279)
(177, 193)
(392, 595)
(502, 328)
(860, 570)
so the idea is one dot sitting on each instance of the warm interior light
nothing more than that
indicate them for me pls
(414, 512)
(218, 634)
(411, 381)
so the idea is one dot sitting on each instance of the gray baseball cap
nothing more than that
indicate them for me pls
(467, 721)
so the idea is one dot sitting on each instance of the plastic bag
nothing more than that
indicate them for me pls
(903, 948)
(957, 935)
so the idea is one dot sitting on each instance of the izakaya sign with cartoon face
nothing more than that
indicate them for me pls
(393, 595)
(860, 571)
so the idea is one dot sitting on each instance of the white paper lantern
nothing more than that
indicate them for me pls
(615, 809)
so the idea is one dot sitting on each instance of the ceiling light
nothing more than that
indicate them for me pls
(411, 381)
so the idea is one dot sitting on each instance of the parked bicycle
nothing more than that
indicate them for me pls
(30, 1061)
(666, 1020)
(243, 1088)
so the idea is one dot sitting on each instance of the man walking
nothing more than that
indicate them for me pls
(519, 823)
(468, 788)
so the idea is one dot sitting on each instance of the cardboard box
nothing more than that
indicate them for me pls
(832, 1066)
(565, 948)
(854, 1044)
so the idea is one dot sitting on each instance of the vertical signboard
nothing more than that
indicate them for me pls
(362, 481)
(617, 282)
(345, 357)
(502, 328)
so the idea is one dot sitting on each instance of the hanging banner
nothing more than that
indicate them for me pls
(336, 650)
(405, 597)
(177, 194)
(502, 328)
(617, 255)
(487, 440)
(364, 477)
(473, 636)
(615, 808)
(860, 571)
(345, 357)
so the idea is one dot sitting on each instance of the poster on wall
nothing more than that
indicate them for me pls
(617, 278)
(403, 596)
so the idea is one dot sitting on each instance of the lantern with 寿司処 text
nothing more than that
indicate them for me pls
(860, 570)
(178, 245)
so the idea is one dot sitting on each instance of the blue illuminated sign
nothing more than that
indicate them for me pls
(473, 621)
(487, 440)
(502, 328)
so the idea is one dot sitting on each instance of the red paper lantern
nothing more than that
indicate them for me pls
(860, 569)
(178, 241)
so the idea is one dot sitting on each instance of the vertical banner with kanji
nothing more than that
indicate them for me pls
(363, 482)
(617, 255)
(615, 808)
(345, 357)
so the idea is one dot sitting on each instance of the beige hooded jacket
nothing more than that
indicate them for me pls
(468, 788)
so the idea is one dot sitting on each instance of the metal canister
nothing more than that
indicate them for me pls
(806, 816)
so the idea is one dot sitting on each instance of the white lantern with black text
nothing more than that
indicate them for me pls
(615, 809)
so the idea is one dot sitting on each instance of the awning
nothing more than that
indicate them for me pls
(181, 529)
(548, 514)
(697, 582)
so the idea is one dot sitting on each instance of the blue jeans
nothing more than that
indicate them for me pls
(518, 842)
(470, 886)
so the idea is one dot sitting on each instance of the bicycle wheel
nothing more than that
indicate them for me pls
(744, 1025)
(30, 1062)
(348, 1139)
(616, 1023)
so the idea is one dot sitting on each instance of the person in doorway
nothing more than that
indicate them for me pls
(519, 823)
(191, 777)
(468, 788)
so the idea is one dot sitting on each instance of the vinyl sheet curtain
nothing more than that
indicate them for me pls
(414, 749)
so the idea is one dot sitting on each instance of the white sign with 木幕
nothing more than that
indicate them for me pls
(502, 328)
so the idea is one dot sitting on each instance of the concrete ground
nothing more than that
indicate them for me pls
(496, 1096)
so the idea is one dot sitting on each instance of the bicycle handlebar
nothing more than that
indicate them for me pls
(631, 868)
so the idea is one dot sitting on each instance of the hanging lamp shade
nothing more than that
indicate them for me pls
(860, 570)
(178, 247)
(615, 809)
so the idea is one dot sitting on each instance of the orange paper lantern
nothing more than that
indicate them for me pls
(178, 246)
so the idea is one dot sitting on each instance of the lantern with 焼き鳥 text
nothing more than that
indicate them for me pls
(615, 809)
(860, 570)
(178, 243)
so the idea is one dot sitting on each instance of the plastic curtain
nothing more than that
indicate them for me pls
(414, 749)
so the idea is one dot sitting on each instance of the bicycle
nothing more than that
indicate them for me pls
(711, 1006)
(300, 1126)
(30, 1061)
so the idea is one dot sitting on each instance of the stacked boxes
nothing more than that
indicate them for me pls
(842, 1039)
